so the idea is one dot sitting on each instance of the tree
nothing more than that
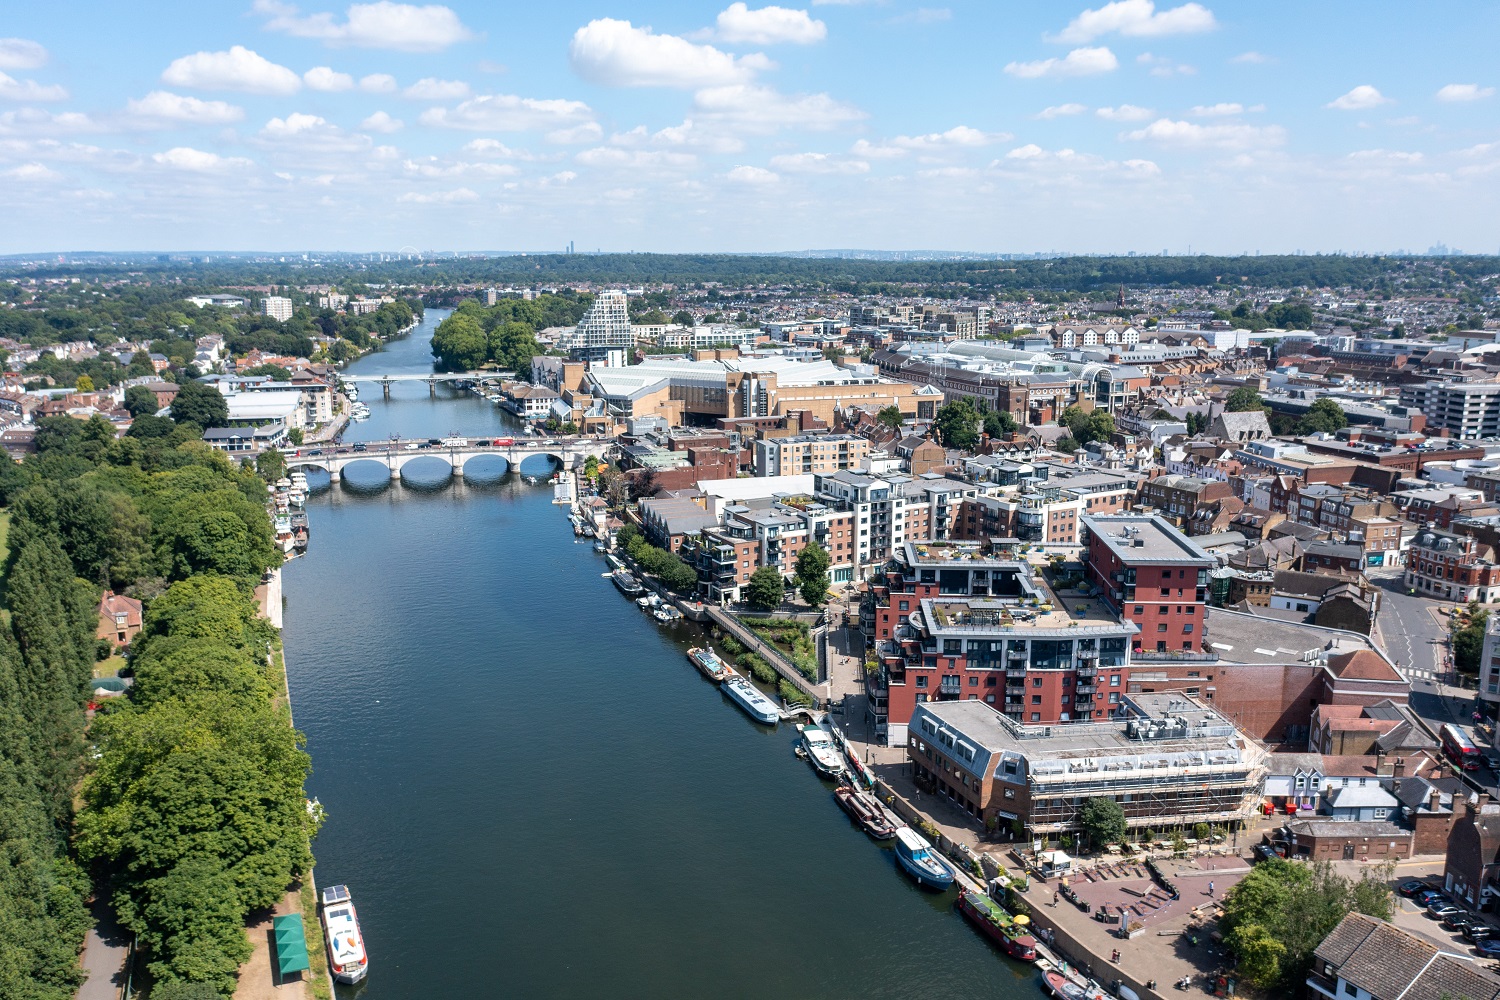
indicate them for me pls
(296, 436)
(1066, 444)
(812, 573)
(270, 465)
(1324, 416)
(460, 343)
(200, 404)
(891, 417)
(683, 318)
(84, 384)
(1243, 399)
(999, 423)
(1103, 821)
(140, 401)
(957, 424)
(766, 589)
(277, 373)
(1468, 639)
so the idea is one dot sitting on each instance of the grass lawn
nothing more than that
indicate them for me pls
(109, 667)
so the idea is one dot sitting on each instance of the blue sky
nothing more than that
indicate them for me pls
(633, 125)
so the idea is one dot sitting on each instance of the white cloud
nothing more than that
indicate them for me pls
(1163, 66)
(923, 15)
(237, 69)
(382, 122)
(618, 54)
(752, 175)
(432, 89)
(1192, 135)
(494, 147)
(508, 113)
(31, 173)
(634, 159)
(576, 134)
(311, 134)
(1060, 111)
(34, 121)
(380, 25)
(1030, 151)
(1079, 62)
(768, 26)
(1125, 113)
(433, 167)
(1221, 110)
(1137, 18)
(378, 83)
(818, 163)
(21, 53)
(690, 134)
(1361, 98)
(30, 90)
(198, 161)
(1251, 58)
(454, 197)
(765, 109)
(1392, 156)
(326, 78)
(163, 108)
(1464, 92)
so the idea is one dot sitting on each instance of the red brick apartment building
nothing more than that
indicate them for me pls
(1151, 575)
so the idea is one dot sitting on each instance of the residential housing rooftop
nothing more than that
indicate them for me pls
(1145, 538)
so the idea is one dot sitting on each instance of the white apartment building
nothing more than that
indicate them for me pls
(278, 307)
(603, 335)
(1465, 409)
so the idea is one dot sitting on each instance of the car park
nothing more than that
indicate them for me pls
(1412, 887)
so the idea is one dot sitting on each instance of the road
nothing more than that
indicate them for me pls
(104, 953)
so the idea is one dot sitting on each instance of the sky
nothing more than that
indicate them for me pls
(635, 125)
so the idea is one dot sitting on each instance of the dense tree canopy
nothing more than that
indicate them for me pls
(765, 589)
(200, 404)
(503, 334)
(957, 424)
(1244, 398)
(1323, 416)
(812, 573)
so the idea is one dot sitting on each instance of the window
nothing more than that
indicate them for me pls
(1161, 609)
(989, 682)
(1350, 988)
(921, 681)
(1114, 680)
(1009, 793)
(973, 682)
(1036, 699)
(905, 606)
(1166, 591)
(1139, 610)
(1187, 629)
(1036, 716)
(1036, 682)
(1162, 627)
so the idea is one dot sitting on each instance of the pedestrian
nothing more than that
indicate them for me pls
(1054, 897)
(1210, 887)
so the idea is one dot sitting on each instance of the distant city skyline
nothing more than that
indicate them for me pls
(993, 128)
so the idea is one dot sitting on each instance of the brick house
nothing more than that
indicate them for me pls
(1473, 860)
(119, 618)
(1365, 958)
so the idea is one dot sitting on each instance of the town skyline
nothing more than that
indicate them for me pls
(1082, 129)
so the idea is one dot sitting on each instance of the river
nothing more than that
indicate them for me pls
(530, 791)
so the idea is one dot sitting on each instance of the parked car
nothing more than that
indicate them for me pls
(1442, 911)
(1427, 897)
(1489, 948)
(1492, 761)
(1477, 932)
(1265, 852)
(1412, 887)
(1457, 920)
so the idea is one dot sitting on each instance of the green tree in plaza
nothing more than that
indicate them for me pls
(812, 573)
(957, 424)
(1281, 911)
(891, 417)
(200, 404)
(1244, 398)
(1103, 821)
(999, 423)
(1324, 416)
(140, 401)
(1468, 639)
(765, 589)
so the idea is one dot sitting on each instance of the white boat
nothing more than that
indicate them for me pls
(351, 391)
(821, 751)
(749, 697)
(346, 945)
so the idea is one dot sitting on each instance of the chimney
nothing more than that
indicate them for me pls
(1380, 763)
(1434, 800)
(1399, 768)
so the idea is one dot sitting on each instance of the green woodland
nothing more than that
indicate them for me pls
(192, 806)
(503, 334)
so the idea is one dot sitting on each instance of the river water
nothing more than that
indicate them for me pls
(531, 792)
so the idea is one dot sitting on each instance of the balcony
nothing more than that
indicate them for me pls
(1085, 673)
(1016, 654)
(1019, 672)
(1084, 689)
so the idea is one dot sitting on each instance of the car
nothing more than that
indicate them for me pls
(1488, 948)
(435, 442)
(1457, 921)
(359, 447)
(1492, 761)
(1478, 932)
(1265, 852)
(413, 446)
(1412, 887)
(1427, 897)
(1442, 911)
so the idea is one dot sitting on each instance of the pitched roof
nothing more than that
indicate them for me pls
(1362, 665)
(1390, 963)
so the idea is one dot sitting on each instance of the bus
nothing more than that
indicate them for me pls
(1459, 748)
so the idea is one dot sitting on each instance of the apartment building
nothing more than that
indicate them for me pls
(1464, 409)
(603, 335)
(804, 454)
(1035, 514)
(1452, 567)
(1167, 760)
(278, 307)
(952, 621)
(1179, 498)
(1153, 577)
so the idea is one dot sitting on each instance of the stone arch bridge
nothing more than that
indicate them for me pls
(394, 454)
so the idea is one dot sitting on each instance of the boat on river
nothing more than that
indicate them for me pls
(1012, 933)
(665, 614)
(820, 751)
(346, 945)
(751, 699)
(865, 809)
(1065, 988)
(921, 862)
(626, 583)
(708, 662)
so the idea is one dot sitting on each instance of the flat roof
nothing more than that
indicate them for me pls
(1241, 638)
(1145, 538)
